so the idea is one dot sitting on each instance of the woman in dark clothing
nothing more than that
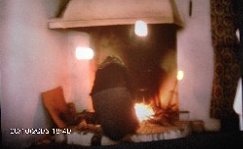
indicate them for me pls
(112, 99)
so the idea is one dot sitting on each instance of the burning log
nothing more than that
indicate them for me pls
(143, 112)
(166, 116)
(156, 115)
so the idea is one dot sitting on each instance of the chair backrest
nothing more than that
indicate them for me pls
(55, 104)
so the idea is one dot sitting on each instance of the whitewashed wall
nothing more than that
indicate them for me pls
(195, 58)
(80, 72)
(33, 59)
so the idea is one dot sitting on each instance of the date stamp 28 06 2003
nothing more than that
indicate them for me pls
(39, 131)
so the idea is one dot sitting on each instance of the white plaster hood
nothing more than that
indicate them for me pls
(85, 13)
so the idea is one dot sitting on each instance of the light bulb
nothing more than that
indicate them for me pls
(238, 34)
(141, 28)
(180, 75)
(84, 53)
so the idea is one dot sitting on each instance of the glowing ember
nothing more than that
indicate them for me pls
(143, 112)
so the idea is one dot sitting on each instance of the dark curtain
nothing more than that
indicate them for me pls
(224, 22)
(239, 5)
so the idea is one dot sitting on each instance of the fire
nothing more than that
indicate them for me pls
(143, 111)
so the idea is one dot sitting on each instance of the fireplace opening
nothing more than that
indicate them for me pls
(150, 60)
(135, 80)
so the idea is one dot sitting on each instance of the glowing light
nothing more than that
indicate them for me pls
(238, 34)
(141, 28)
(143, 112)
(84, 53)
(180, 75)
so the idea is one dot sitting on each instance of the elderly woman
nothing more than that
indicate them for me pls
(112, 99)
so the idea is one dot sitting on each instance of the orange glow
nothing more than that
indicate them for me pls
(143, 111)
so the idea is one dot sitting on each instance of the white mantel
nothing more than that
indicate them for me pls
(85, 13)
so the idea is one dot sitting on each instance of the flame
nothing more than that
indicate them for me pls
(143, 111)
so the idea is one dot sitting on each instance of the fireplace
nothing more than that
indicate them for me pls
(148, 64)
(144, 66)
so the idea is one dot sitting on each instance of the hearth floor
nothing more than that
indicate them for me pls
(147, 132)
